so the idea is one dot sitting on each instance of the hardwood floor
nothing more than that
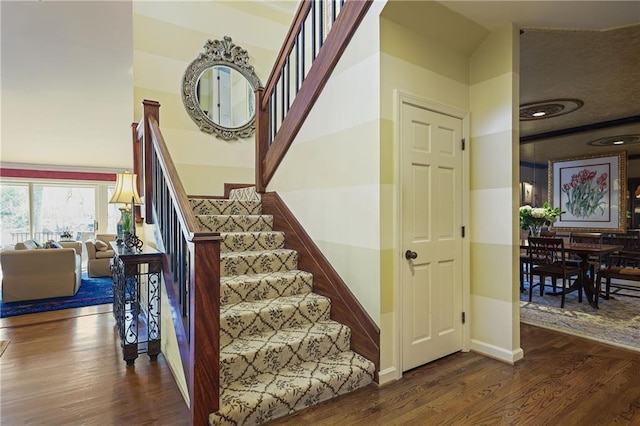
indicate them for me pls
(66, 368)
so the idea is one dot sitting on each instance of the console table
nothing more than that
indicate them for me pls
(136, 300)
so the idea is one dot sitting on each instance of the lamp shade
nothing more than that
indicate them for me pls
(126, 189)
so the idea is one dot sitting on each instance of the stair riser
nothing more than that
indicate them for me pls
(251, 241)
(250, 263)
(285, 312)
(267, 397)
(236, 290)
(253, 355)
(279, 350)
(225, 207)
(223, 223)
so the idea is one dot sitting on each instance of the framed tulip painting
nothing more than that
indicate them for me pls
(591, 192)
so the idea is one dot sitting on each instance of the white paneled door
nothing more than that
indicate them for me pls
(431, 179)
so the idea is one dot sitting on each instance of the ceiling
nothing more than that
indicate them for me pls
(587, 50)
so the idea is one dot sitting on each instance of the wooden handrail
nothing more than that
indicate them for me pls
(191, 266)
(271, 154)
(287, 48)
(186, 215)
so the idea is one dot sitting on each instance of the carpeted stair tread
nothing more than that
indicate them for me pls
(235, 223)
(251, 241)
(257, 262)
(239, 288)
(247, 193)
(269, 396)
(279, 350)
(248, 318)
(276, 349)
(207, 206)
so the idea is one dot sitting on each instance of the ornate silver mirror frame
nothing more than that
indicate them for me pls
(219, 54)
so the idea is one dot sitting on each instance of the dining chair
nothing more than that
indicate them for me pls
(631, 242)
(548, 258)
(524, 261)
(595, 262)
(625, 269)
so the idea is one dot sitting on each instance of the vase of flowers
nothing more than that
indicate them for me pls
(534, 218)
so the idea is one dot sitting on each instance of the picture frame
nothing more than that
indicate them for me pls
(591, 191)
(526, 193)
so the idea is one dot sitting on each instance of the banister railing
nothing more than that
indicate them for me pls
(192, 265)
(316, 39)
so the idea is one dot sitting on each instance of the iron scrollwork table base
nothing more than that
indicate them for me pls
(136, 300)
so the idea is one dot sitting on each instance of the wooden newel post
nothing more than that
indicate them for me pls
(204, 315)
(137, 169)
(150, 109)
(262, 138)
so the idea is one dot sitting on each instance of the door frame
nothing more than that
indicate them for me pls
(401, 98)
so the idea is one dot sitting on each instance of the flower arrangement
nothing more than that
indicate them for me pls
(535, 218)
(584, 195)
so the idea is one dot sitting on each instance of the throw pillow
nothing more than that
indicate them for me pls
(101, 245)
(51, 244)
(31, 244)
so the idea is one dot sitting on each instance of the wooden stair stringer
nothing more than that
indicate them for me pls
(346, 309)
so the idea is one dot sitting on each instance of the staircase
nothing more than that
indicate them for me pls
(279, 350)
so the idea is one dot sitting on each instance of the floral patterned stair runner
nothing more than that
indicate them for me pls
(280, 351)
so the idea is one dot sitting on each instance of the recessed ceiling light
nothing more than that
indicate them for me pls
(549, 108)
(616, 140)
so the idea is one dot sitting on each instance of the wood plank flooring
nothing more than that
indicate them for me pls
(66, 368)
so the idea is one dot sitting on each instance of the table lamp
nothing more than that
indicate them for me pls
(126, 193)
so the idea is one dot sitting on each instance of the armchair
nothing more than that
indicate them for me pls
(99, 255)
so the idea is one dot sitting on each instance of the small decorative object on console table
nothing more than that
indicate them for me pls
(534, 218)
(136, 299)
(66, 236)
(126, 193)
(133, 243)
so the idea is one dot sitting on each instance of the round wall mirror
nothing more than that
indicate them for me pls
(225, 96)
(218, 90)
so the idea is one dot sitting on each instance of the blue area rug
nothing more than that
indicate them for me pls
(93, 291)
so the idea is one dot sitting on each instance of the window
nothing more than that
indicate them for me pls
(44, 210)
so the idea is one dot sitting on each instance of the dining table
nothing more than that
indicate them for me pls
(583, 251)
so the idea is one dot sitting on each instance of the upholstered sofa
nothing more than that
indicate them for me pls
(99, 255)
(30, 272)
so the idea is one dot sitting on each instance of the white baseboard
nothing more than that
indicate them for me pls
(387, 376)
(495, 352)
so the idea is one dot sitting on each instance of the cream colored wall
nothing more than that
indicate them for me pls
(494, 182)
(167, 37)
(344, 164)
(426, 66)
(422, 67)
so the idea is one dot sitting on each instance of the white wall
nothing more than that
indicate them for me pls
(67, 83)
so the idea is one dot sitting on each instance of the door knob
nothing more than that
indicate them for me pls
(410, 254)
